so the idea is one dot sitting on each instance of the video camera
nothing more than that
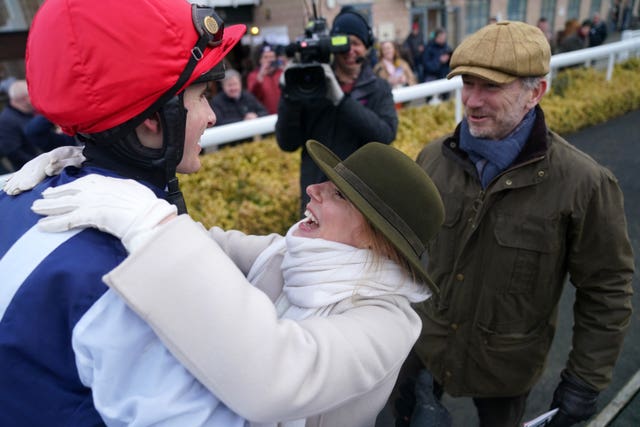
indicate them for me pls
(305, 80)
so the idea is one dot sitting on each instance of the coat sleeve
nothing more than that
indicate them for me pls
(223, 111)
(228, 335)
(243, 249)
(253, 85)
(378, 121)
(431, 62)
(290, 133)
(411, 77)
(601, 268)
(255, 105)
(129, 372)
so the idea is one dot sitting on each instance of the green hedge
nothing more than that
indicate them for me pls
(254, 187)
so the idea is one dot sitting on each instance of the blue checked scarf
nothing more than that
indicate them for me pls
(492, 157)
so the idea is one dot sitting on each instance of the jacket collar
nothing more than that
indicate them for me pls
(363, 84)
(536, 146)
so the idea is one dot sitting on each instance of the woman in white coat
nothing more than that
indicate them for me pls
(320, 337)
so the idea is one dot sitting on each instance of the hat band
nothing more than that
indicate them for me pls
(381, 207)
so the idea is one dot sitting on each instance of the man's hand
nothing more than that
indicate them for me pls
(575, 401)
(429, 411)
(121, 207)
(37, 169)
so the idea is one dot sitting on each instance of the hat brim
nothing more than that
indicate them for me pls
(484, 73)
(206, 69)
(327, 161)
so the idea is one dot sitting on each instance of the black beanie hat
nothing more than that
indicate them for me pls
(349, 21)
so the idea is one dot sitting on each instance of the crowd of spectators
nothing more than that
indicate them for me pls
(233, 103)
(255, 80)
(23, 132)
(392, 67)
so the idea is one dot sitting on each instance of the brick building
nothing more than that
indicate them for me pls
(281, 21)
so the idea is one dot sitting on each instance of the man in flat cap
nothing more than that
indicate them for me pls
(525, 210)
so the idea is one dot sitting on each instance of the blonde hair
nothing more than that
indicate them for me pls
(396, 53)
(382, 248)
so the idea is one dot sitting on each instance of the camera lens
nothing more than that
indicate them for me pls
(305, 82)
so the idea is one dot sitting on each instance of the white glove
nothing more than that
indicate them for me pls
(121, 207)
(37, 169)
(334, 92)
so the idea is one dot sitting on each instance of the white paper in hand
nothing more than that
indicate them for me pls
(541, 420)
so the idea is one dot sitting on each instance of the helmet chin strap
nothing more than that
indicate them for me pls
(173, 120)
(125, 154)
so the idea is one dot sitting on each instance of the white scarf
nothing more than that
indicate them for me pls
(319, 274)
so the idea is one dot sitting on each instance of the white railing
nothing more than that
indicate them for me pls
(612, 52)
(615, 52)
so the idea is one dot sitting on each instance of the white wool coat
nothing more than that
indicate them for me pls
(332, 371)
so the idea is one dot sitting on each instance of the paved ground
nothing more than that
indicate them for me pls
(615, 144)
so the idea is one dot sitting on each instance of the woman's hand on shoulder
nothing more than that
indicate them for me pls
(121, 207)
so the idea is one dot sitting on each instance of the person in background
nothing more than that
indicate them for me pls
(392, 68)
(350, 106)
(264, 81)
(6, 80)
(435, 61)
(235, 104)
(414, 44)
(336, 288)
(46, 136)
(576, 36)
(72, 353)
(525, 211)
(436, 56)
(627, 15)
(14, 145)
(543, 24)
(598, 32)
(281, 56)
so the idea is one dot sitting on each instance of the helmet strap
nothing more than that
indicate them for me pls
(129, 158)
(173, 120)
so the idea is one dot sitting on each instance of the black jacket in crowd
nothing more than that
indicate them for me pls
(230, 110)
(364, 115)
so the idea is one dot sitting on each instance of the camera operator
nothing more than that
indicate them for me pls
(356, 107)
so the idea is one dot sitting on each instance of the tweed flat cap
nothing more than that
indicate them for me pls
(502, 52)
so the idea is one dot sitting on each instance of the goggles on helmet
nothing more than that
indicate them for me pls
(208, 24)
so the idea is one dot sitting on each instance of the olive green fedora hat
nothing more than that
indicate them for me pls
(393, 193)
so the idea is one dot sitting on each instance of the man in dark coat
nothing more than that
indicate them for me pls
(234, 104)
(598, 32)
(525, 211)
(14, 145)
(436, 56)
(414, 44)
